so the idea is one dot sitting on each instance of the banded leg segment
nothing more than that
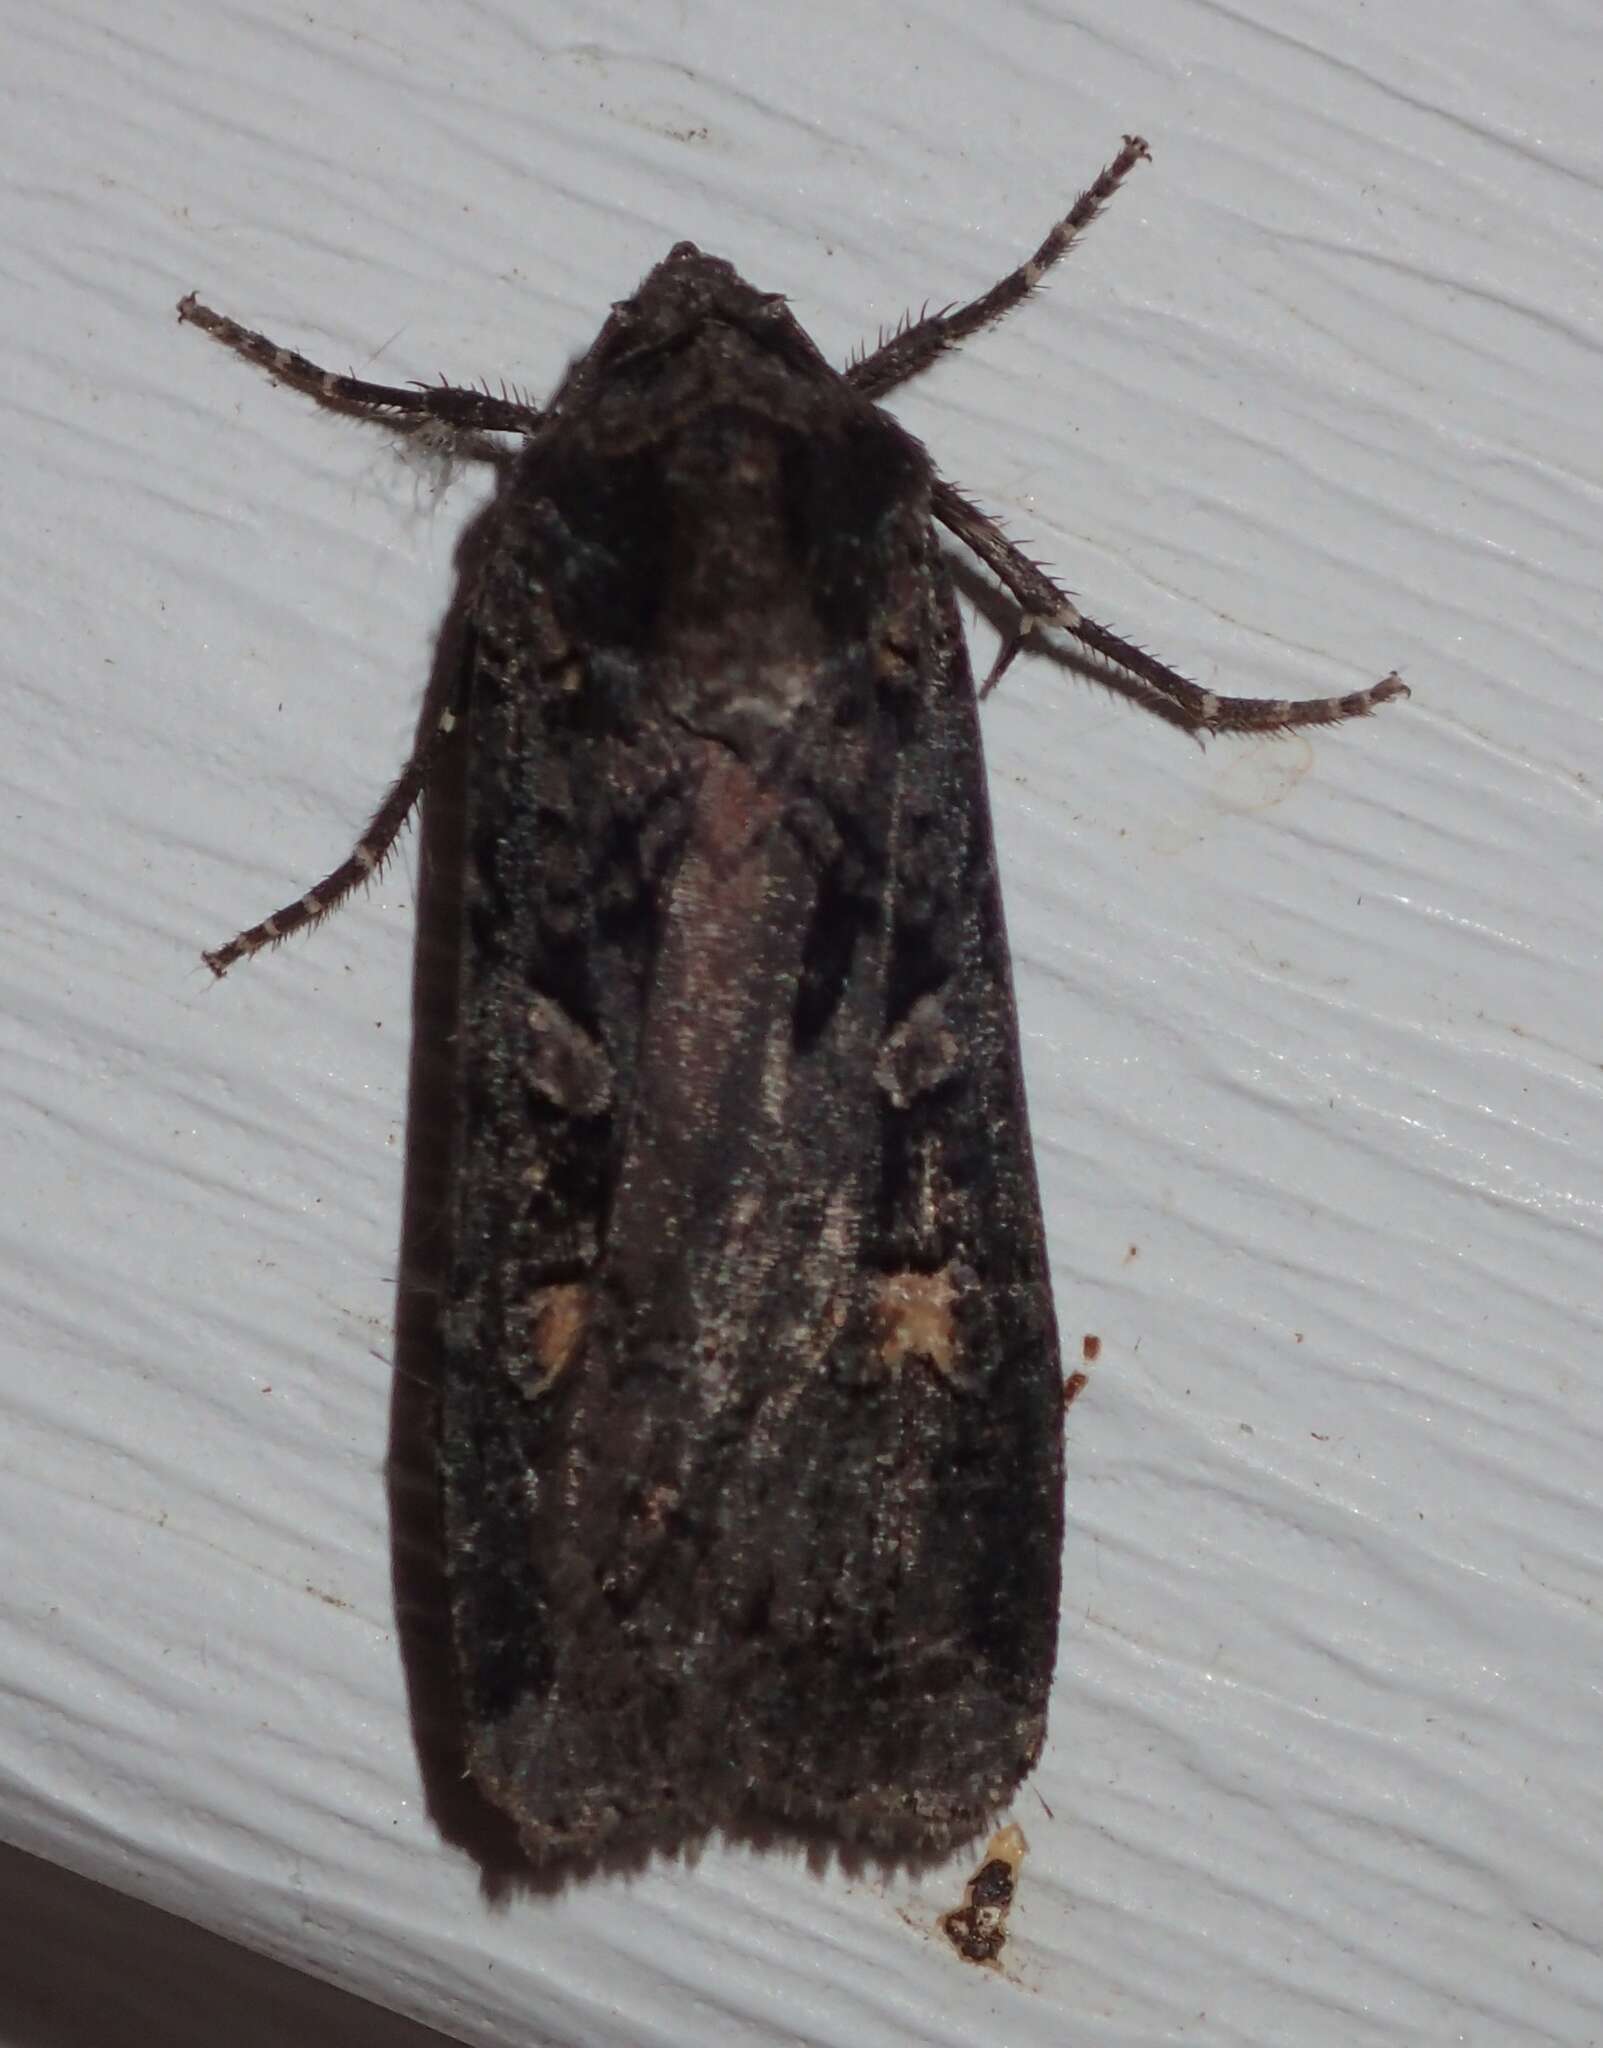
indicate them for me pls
(915, 347)
(463, 410)
(1169, 694)
(1172, 695)
(446, 403)
(360, 865)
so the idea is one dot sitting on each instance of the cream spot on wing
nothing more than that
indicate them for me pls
(558, 1318)
(914, 1320)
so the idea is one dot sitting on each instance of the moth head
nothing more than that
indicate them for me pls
(690, 299)
(687, 289)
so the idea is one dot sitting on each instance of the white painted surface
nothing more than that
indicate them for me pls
(1313, 1026)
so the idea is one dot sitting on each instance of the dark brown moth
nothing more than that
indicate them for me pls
(753, 1413)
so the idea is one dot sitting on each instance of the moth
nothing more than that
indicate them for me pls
(752, 1406)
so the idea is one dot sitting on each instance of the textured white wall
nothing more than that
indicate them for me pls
(1312, 1026)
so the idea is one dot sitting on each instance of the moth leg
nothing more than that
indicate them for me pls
(447, 404)
(360, 865)
(915, 346)
(1159, 687)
